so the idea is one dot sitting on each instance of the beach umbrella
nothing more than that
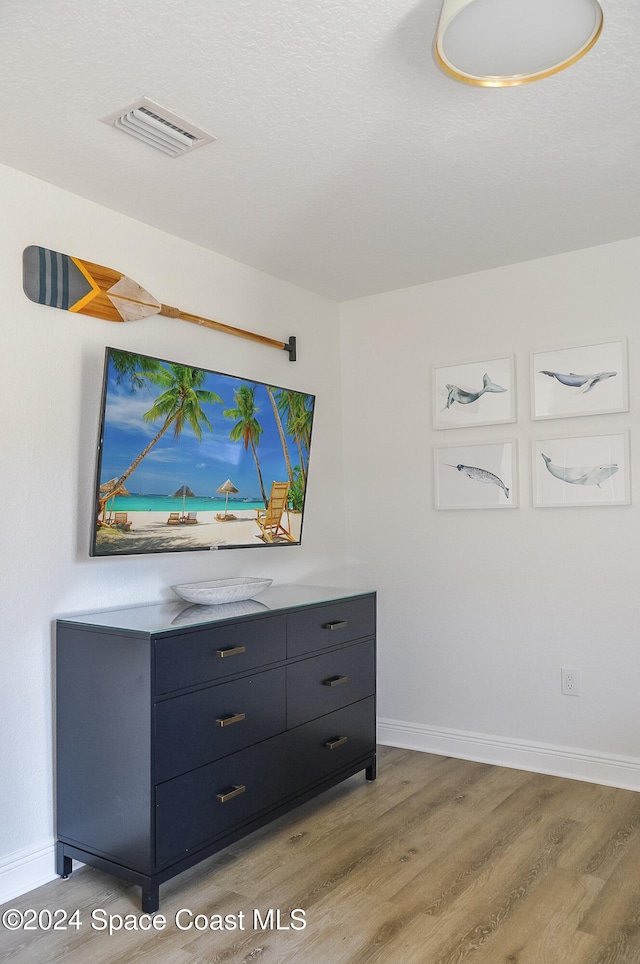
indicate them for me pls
(184, 492)
(106, 487)
(227, 487)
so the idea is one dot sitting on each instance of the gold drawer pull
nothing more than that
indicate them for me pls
(230, 794)
(233, 651)
(338, 741)
(339, 625)
(228, 720)
(335, 680)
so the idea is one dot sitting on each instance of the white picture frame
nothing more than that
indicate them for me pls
(476, 476)
(473, 393)
(589, 379)
(582, 470)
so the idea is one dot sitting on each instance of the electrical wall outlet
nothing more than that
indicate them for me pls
(570, 682)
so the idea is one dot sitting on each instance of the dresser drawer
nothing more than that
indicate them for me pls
(206, 803)
(330, 743)
(209, 654)
(321, 684)
(201, 727)
(337, 622)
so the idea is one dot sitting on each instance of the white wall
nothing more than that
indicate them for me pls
(479, 609)
(51, 364)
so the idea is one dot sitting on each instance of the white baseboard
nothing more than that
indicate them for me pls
(560, 761)
(24, 870)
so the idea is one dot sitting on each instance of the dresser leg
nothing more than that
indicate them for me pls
(370, 772)
(150, 898)
(64, 864)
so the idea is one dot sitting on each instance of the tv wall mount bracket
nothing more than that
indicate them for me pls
(85, 288)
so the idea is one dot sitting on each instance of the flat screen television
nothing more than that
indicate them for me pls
(195, 459)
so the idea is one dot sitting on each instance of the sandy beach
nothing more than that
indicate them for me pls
(149, 532)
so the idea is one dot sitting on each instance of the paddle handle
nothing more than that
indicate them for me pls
(289, 346)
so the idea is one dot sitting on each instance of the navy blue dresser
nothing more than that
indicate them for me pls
(180, 729)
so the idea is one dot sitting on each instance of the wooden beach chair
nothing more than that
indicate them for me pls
(121, 520)
(190, 519)
(174, 519)
(269, 520)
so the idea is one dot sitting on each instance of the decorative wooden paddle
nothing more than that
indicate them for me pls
(60, 281)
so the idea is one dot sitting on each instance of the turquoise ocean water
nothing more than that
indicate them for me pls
(166, 503)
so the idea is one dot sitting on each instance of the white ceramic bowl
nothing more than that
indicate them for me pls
(222, 590)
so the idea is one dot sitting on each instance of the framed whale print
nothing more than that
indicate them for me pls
(475, 393)
(479, 476)
(583, 380)
(582, 470)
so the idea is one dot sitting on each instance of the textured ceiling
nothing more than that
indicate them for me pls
(345, 161)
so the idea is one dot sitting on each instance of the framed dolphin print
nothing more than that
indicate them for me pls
(582, 470)
(479, 476)
(474, 393)
(583, 380)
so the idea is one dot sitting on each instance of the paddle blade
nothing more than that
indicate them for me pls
(61, 281)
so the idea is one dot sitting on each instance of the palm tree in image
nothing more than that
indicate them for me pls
(296, 412)
(247, 427)
(127, 365)
(179, 405)
(273, 396)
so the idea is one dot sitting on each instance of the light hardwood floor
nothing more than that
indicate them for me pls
(440, 861)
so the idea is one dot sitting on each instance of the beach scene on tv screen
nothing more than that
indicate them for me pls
(195, 459)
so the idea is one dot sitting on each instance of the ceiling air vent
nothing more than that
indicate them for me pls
(158, 127)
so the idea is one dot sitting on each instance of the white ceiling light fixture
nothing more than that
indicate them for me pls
(502, 43)
(158, 127)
